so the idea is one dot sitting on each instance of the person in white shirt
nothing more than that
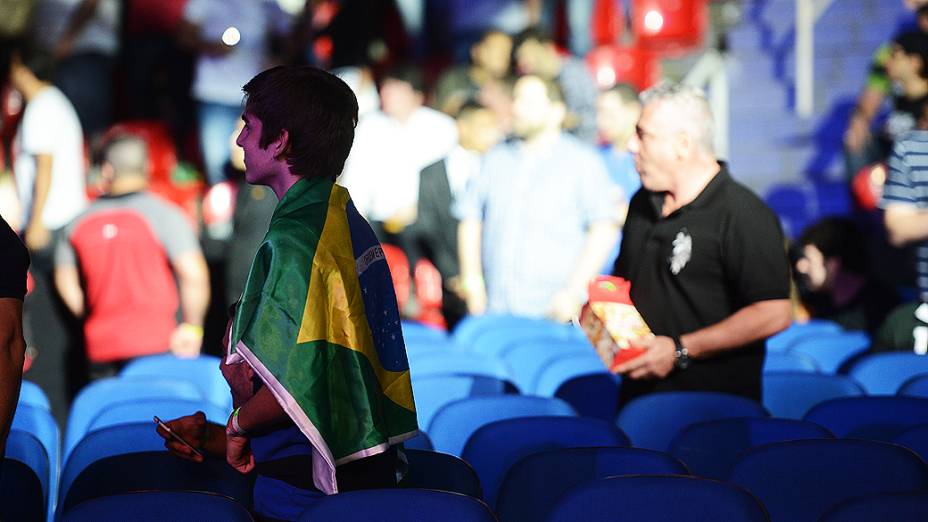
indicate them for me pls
(391, 146)
(49, 151)
(231, 39)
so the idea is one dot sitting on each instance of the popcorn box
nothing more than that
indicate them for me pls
(612, 323)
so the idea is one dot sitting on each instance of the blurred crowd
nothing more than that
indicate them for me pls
(486, 156)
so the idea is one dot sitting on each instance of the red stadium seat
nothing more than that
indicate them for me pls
(399, 269)
(618, 63)
(428, 294)
(669, 26)
(608, 22)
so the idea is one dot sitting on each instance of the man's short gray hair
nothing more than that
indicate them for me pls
(690, 108)
(127, 154)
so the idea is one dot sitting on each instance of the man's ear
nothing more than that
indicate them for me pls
(281, 144)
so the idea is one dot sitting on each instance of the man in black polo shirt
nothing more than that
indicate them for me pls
(705, 257)
(14, 261)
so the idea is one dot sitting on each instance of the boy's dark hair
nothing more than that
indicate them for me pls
(406, 73)
(531, 34)
(838, 237)
(32, 57)
(915, 42)
(318, 110)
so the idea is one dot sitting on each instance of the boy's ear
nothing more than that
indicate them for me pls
(280, 145)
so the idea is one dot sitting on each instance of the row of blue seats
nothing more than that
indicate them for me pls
(525, 467)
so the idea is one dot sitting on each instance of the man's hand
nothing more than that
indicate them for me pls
(186, 340)
(857, 133)
(37, 236)
(656, 362)
(238, 454)
(564, 306)
(193, 429)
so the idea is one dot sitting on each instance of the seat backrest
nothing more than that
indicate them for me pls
(26, 448)
(562, 369)
(495, 447)
(525, 360)
(885, 373)
(783, 340)
(157, 506)
(799, 480)
(915, 387)
(883, 506)
(433, 392)
(202, 371)
(418, 332)
(98, 395)
(792, 394)
(455, 422)
(21, 492)
(831, 350)
(398, 505)
(916, 439)
(31, 394)
(652, 421)
(457, 363)
(130, 412)
(532, 486)
(582, 381)
(419, 442)
(876, 418)
(473, 326)
(710, 448)
(789, 362)
(661, 497)
(38, 422)
(441, 471)
(155, 471)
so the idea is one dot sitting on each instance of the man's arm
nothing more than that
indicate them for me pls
(868, 104)
(753, 322)
(12, 351)
(905, 224)
(469, 248)
(68, 283)
(600, 239)
(193, 281)
(76, 23)
(37, 236)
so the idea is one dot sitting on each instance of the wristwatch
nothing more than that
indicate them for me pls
(681, 358)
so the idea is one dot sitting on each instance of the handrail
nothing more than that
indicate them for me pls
(807, 13)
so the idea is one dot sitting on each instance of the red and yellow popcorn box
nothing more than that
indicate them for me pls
(612, 323)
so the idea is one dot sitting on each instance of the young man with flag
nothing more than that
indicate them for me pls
(315, 354)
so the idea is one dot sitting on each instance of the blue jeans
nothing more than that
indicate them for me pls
(217, 121)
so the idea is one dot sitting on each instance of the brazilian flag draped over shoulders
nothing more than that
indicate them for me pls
(318, 322)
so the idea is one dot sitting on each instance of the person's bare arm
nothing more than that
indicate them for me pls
(12, 351)
(600, 239)
(68, 283)
(905, 224)
(37, 236)
(189, 35)
(469, 252)
(868, 104)
(753, 322)
(75, 25)
(193, 282)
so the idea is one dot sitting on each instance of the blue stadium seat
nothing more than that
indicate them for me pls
(710, 448)
(495, 447)
(582, 381)
(916, 439)
(418, 333)
(157, 506)
(525, 360)
(789, 362)
(39, 423)
(498, 341)
(473, 326)
(799, 480)
(441, 471)
(418, 350)
(534, 484)
(155, 471)
(652, 421)
(432, 393)
(915, 387)
(667, 497)
(796, 331)
(31, 394)
(875, 418)
(883, 506)
(130, 412)
(457, 363)
(398, 505)
(456, 422)
(885, 373)
(419, 442)
(831, 351)
(24, 478)
(202, 371)
(98, 395)
(106, 442)
(791, 395)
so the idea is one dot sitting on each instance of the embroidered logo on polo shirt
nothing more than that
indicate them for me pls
(682, 251)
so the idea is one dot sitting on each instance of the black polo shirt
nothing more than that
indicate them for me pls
(14, 262)
(698, 266)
